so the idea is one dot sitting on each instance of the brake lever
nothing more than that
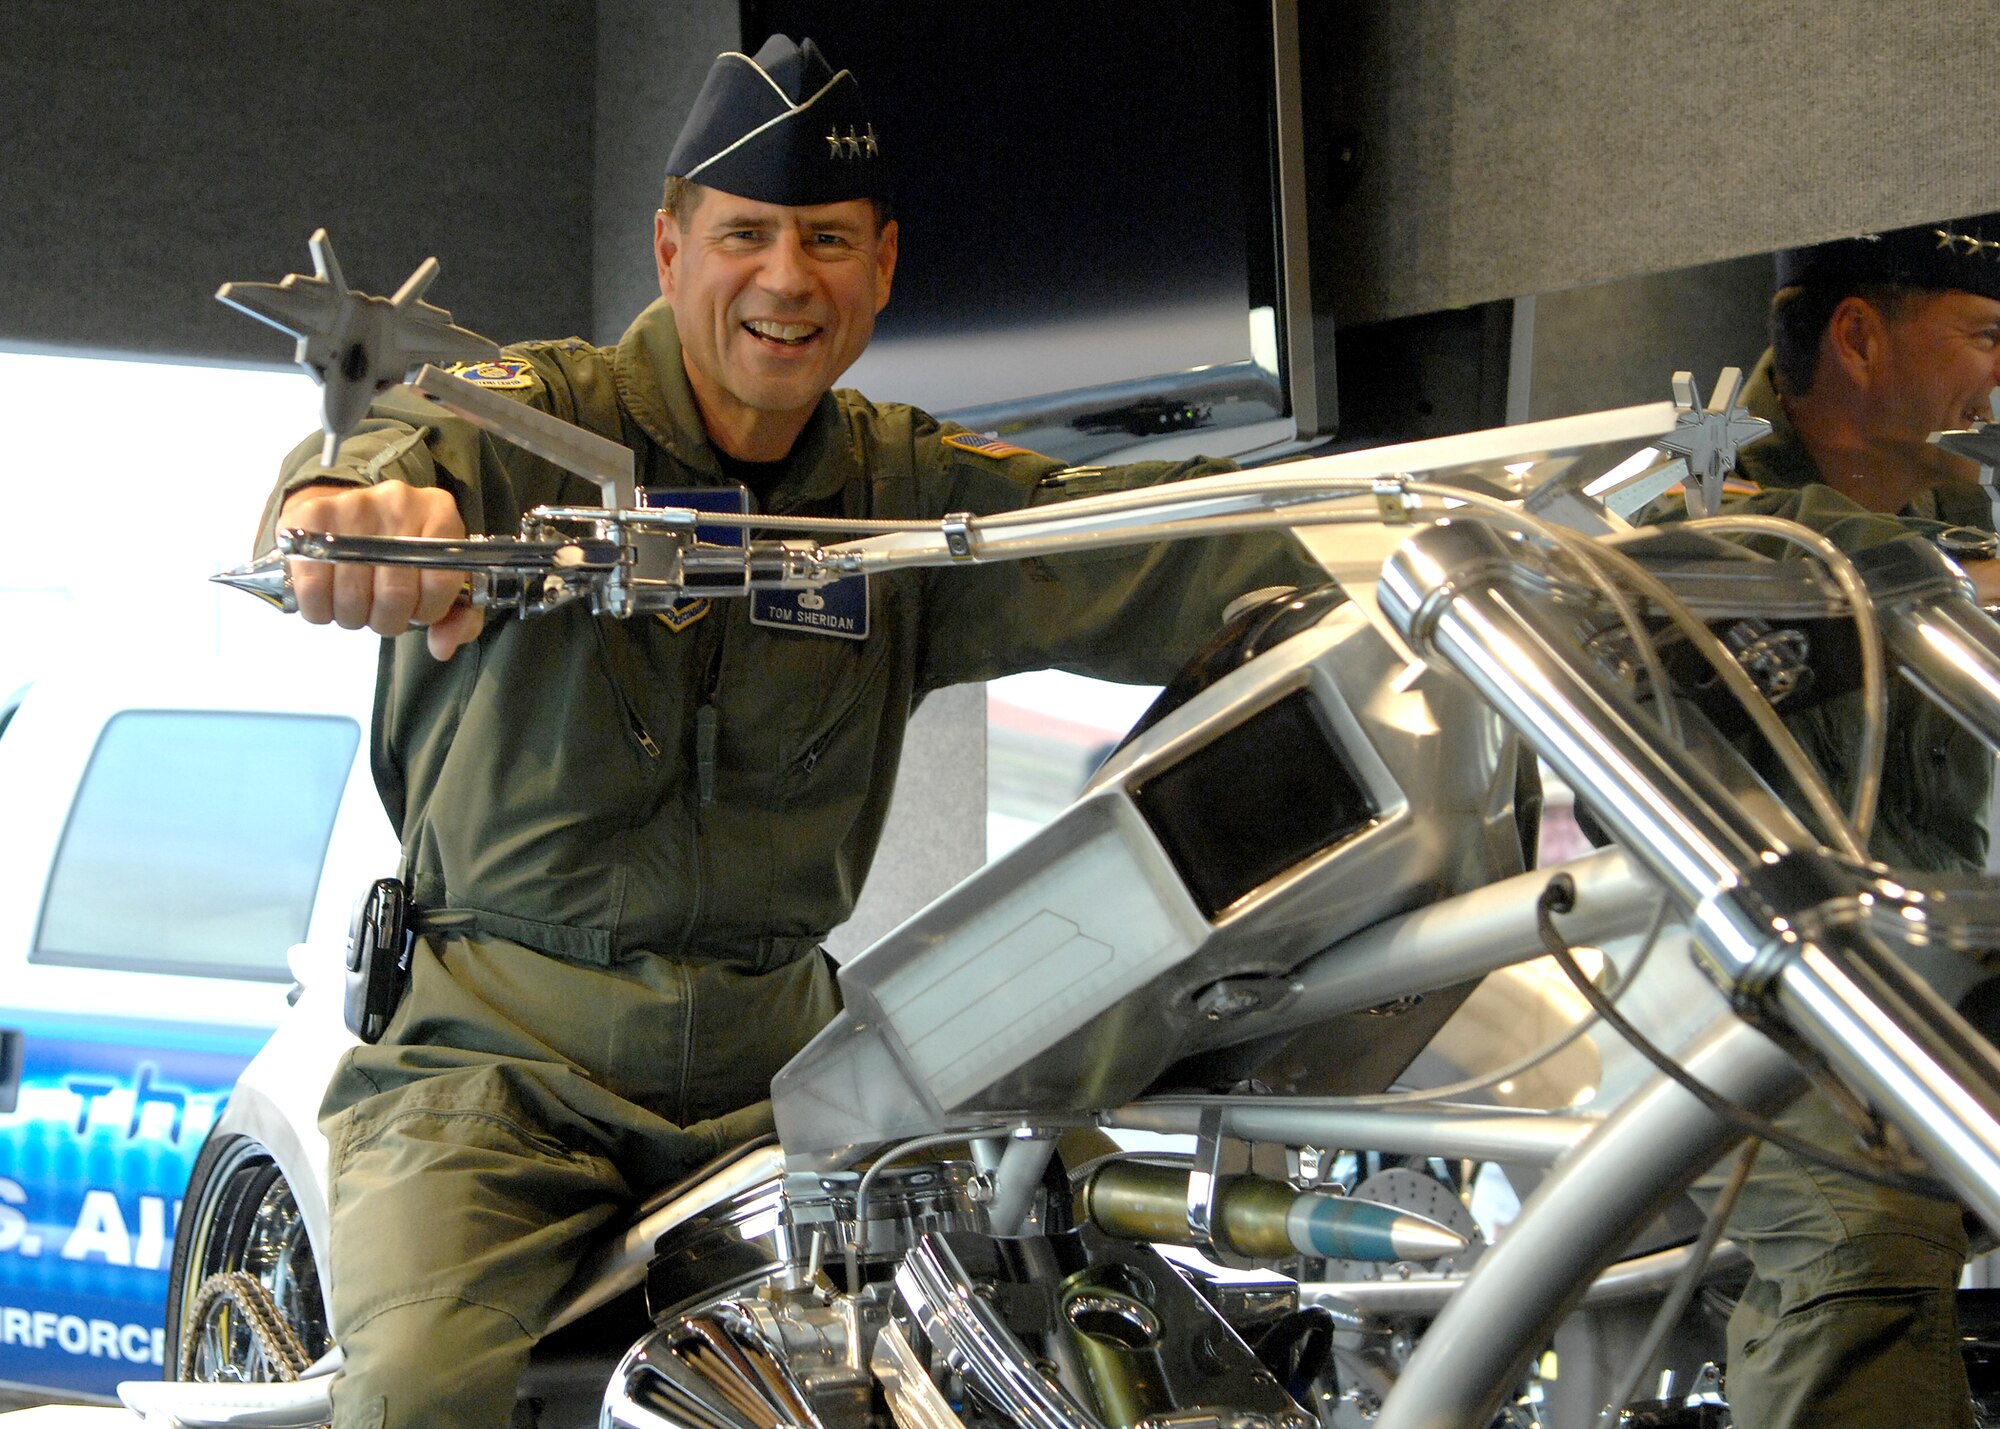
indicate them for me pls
(510, 574)
(647, 569)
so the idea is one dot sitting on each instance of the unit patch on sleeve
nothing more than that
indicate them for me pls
(840, 608)
(504, 374)
(986, 446)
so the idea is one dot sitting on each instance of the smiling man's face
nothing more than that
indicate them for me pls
(1941, 360)
(773, 303)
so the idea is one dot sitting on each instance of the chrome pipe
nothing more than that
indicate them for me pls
(1522, 1288)
(1886, 1032)
(1944, 643)
(1461, 938)
(1534, 1138)
(1448, 591)
(1950, 649)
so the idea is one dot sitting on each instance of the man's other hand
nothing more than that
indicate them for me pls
(385, 599)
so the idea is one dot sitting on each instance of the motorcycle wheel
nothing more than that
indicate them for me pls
(239, 1218)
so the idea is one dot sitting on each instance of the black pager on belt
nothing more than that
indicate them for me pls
(378, 957)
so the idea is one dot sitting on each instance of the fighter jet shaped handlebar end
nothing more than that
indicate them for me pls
(355, 344)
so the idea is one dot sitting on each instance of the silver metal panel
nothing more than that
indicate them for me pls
(1062, 978)
(1094, 924)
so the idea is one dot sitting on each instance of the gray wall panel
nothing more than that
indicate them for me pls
(936, 833)
(155, 150)
(651, 59)
(1522, 148)
(1613, 344)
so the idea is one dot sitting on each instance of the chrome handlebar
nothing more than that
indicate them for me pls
(1780, 924)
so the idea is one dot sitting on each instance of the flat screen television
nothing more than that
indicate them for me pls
(1103, 246)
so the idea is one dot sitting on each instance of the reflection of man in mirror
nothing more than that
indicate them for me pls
(1877, 341)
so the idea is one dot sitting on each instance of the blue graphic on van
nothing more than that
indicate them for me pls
(93, 1162)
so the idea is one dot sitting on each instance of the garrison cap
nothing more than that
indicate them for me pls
(781, 127)
(1962, 253)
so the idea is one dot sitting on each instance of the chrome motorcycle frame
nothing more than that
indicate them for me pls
(1800, 943)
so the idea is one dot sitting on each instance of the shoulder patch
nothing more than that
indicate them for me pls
(987, 446)
(506, 374)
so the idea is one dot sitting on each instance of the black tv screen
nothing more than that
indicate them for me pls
(1085, 197)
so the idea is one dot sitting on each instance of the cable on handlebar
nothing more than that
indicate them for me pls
(1798, 765)
(1560, 897)
(1874, 681)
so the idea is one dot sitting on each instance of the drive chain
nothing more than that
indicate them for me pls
(252, 1299)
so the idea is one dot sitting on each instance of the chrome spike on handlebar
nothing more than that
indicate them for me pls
(268, 578)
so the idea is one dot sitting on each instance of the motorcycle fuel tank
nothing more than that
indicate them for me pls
(1301, 797)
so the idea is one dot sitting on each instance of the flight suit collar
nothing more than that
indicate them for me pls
(652, 381)
(1780, 458)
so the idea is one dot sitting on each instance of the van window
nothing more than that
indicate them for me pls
(195, 843)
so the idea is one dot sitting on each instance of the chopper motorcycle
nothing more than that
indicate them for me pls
(1312, 856)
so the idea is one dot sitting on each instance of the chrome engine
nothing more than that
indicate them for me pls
(950, 1325)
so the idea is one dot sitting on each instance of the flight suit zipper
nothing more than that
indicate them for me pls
(830, 728)
(708, 730)
(707, 746)
(635, 724)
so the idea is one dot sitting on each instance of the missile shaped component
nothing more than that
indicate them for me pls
(355, 344)
(1254, 1216)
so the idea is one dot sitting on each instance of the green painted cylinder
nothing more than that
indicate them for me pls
(1257, 1217)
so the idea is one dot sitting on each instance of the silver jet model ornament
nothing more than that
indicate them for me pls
(1709, 437)
(1697, 455)
(1980, 443)
(355, 344)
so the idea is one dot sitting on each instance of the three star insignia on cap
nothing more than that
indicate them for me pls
(1965, 243)
(852, 145)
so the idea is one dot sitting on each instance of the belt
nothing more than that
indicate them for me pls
(598, 947)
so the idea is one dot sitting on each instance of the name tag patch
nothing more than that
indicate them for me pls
(734, 499)
(838, 609)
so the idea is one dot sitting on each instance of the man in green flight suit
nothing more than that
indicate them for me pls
(626, 839)
(1877, 341)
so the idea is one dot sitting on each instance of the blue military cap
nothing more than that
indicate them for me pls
(1961, 253)
(781, 127)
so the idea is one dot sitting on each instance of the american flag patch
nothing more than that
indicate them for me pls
(985, 445)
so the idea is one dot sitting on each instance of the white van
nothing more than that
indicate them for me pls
(175, 839)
